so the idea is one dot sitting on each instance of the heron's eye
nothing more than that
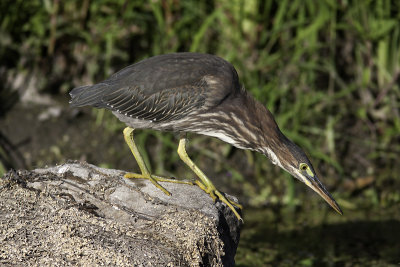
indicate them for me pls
(303, 166)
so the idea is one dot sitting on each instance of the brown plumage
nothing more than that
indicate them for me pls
(199, 93)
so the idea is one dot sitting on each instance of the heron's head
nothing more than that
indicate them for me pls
(291, 158)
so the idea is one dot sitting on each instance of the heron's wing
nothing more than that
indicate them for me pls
(163, 88)
(158, 106)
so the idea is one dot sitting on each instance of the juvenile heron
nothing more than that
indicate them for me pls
(198, 93)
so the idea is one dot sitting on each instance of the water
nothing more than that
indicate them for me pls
(320, 237)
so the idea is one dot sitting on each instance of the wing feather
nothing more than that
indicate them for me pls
(163, 88)
(164, 105)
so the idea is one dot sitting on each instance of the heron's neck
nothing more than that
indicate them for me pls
(273, 141)
(266, 133)
(245, 123)
(242, 122)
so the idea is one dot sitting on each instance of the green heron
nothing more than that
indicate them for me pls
(198, 93)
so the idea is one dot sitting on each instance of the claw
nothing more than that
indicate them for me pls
(149, 177)
(215, 194)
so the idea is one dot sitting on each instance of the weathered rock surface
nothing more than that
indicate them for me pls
(80, 214)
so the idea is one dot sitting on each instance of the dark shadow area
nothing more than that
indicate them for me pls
(9, 154)
(353, 243)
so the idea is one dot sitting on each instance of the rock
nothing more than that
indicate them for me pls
(80, 214)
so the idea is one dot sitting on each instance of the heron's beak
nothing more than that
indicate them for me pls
(317, 186)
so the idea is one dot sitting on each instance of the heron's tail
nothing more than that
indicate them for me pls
(88, 95)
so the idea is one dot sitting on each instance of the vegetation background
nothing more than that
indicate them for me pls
(329, 71)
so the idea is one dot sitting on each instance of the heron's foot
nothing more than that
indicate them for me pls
(215, 194)
(155, 179)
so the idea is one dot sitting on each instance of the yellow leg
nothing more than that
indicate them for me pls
(128, 135)
(205, 183)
